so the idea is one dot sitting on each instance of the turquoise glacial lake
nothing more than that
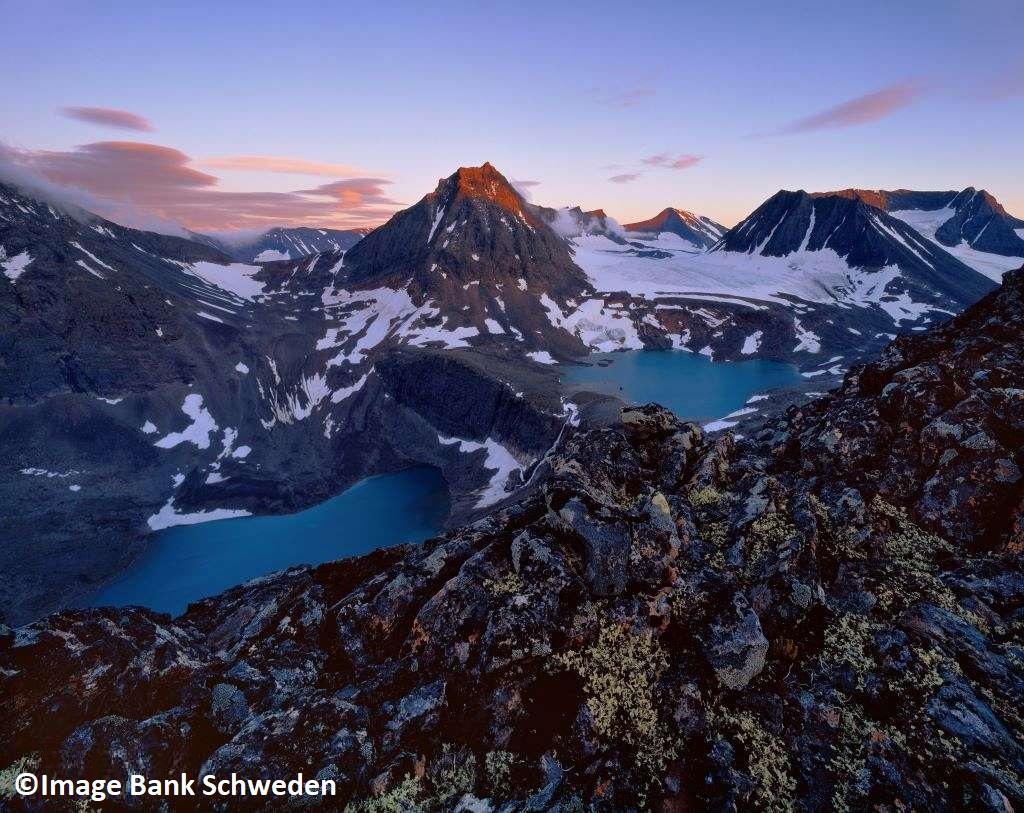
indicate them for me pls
(189, 562)
(689, 384)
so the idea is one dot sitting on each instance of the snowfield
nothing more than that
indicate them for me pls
(745, 279)
(235, 278)
(198, 432)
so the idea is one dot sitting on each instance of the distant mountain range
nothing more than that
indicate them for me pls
(284, 243)
(153, 380)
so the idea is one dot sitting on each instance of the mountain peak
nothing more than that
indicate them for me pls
(701, 231)
(473, 229)
(483, 182)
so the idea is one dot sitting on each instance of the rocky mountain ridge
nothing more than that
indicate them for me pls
(829, 615)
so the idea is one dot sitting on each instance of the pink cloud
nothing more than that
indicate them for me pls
(627, 177)
(665, 160)
(270, 163)
(862, 110)
(353, 192)
(132, 183)
(109, 117)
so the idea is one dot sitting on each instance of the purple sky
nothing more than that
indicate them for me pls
(241, 115)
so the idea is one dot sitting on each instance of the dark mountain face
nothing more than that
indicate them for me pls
(824, 617)
(89, 308)
(286, 243)
(976, 217)
(864, 236)
(699, 230)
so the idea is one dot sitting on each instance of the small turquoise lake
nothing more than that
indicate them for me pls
(689, 384)
(190, 562)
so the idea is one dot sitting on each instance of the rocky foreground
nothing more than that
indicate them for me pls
(829, 616)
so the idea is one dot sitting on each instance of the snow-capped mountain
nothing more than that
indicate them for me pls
(801, 278)
(971, 224)
(285, 243)
(701, 232)
(863, 237)
(476, 262)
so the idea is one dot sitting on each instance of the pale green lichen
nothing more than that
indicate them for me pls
(911, 573)
(405, 797)
(910, 544)
(451, 775)
(837, 542)
(848, 758)
(448, 777)
(508, 585)
(706, 497)
(620, 673)
(766, 534)
(848, 642)
(708, 506)
(498, 769)
(767, 759)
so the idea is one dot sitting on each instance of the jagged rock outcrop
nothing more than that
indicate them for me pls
(666, 623)
(936, 424)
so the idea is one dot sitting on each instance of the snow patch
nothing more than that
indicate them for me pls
(167, 517)
(499, 459)
(752, 343)
(15, 266)
(198, 432)
(271, 255)
(35, 472)
(806, 341)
